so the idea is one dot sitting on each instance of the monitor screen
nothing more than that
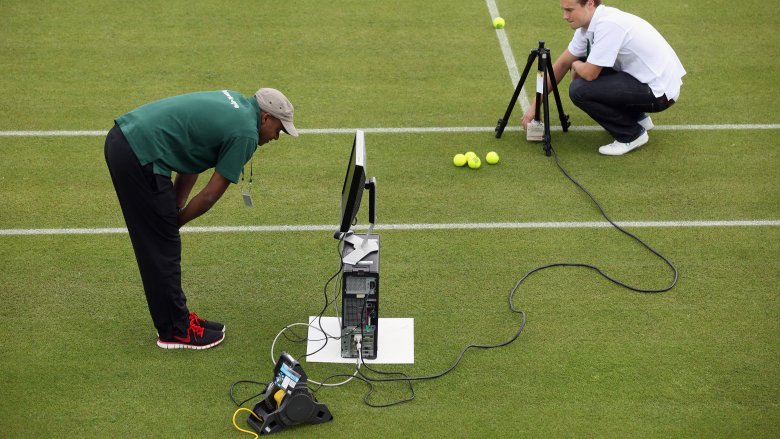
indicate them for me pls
(354, 183)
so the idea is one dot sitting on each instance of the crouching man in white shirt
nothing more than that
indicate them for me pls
(622, 69)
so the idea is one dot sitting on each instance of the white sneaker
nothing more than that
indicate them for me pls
(646, 123)
(619, 148)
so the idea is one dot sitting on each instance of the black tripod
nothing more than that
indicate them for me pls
(544, 69)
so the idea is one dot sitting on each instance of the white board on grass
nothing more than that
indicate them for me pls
(396, 341)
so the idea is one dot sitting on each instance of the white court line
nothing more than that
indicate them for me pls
(443, 226)
(55, 133)
(715, 127)
(509, 57)
(420, 130)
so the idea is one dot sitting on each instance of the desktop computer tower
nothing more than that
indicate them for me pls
(360, 303)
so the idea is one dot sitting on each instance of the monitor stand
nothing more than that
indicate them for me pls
(363, 247)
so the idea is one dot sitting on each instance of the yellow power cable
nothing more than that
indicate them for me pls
(240, 409)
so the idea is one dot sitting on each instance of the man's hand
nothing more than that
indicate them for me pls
(529, 116)
(561, 66)
(574, 74)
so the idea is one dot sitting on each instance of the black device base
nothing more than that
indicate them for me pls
(287, 400)
(544, 69)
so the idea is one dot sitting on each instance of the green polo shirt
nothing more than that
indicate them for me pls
(194, 132)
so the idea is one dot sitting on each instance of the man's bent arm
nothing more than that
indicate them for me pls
(182, 187)
(585, 70)
(205, 199)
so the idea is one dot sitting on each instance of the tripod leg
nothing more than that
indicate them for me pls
(503, 121)
(565, 124)
(546, 104)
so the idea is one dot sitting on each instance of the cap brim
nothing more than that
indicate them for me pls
(289, 128)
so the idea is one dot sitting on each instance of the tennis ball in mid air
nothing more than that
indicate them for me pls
(491, 158)
(469, 155)
(475, 162)
(498, 23)
(459, 160)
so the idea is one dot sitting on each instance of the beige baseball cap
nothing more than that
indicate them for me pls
(273, 102)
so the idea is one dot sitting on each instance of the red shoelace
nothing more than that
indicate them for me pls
(195, 325)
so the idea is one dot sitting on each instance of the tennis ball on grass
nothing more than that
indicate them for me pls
(459, 160)
(475, 162)
(491, 158)
(469, 155)
(498, 23)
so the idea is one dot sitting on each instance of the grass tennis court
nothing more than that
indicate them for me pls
(78, 355)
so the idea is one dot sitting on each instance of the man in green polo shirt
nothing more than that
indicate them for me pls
(186, 134)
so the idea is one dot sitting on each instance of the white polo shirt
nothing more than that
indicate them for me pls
(630, 44)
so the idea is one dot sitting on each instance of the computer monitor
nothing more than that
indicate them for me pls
(351, 196)
(354, 183)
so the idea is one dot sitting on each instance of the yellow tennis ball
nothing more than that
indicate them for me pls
(498, 23)
(469, 155)
(475, 162)
(491, 158)
(459, 160)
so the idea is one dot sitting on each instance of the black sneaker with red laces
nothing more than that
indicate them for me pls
(215, 326)
(195, 337)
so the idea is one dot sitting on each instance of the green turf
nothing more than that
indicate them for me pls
(679, 176)
(77, 356)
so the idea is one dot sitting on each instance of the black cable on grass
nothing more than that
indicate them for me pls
(296, 337)
(457, 360)
(240, 404)
(366, 397)
(593, 267)
(335, 275)
(406, 377)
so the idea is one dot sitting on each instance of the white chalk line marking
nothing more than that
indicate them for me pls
(421, 130)
(379, 227)
(509, 57)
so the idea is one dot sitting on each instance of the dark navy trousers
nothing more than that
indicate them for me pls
(148, 204)
(617, 100)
